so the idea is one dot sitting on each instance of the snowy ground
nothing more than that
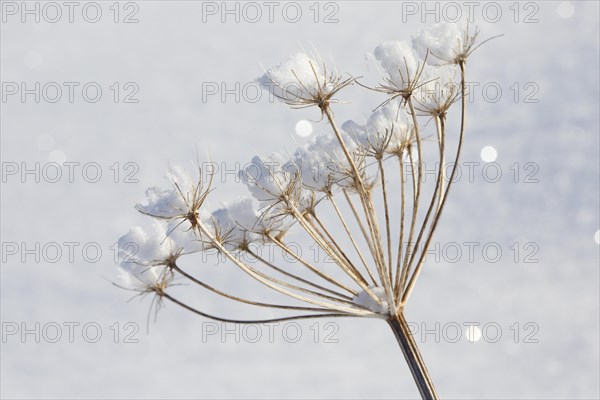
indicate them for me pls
(538, 308)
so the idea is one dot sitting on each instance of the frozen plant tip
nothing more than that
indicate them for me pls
(302, 82)
(356, 192)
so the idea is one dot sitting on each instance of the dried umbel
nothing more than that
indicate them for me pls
(378, 243)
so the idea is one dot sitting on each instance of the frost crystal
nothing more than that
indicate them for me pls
(439, 89)
(172, 202)
(268, 179)
(399, 60)
(143, 254)
(443, 40)
(388, 128)
(235, 222)
(363, 299)
(297, 78)
(321, 161)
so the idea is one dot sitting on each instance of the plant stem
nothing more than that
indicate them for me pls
(415, 275)
(413, 357)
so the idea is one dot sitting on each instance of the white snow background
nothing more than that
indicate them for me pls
(171, 55)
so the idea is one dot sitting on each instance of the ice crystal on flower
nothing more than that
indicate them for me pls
(400, 62)
(145, 253)
(365, 300)
(301, 82)
(443, 41)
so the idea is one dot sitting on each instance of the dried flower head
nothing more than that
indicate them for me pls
(302, 82)
(436, 96)
(321, 162)
(386, 131)
(376, 242)
(182, 202)
(447, 43)
(403, 68)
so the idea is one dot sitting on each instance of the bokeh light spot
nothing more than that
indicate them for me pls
(489, 154)
(57, 156)
(303, 128)
(473, 333)
(565, 9)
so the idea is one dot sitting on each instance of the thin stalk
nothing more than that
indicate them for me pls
(374, 225)
(290, 275)
(242, 300)
(380, 261)
(376, 240)
(387, 219)
(321, 241)
(365, 200)
(338, 248)
(360, 185)
(311, 267)
(295, 287)
(252, 273)
(361, 225)
(413, 356)
(441, 123)
(417, 194)
(415, 274)
(257, 321)
(351, 236)
(406, 266)
(437, 193)
(401, 240)
(411, 160)
(418, 186)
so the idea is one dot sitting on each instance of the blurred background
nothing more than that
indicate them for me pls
(99, 98)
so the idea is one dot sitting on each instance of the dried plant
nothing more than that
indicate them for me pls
(347, 170)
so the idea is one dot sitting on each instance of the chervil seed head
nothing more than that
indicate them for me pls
(182, 202)
(302, 82)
